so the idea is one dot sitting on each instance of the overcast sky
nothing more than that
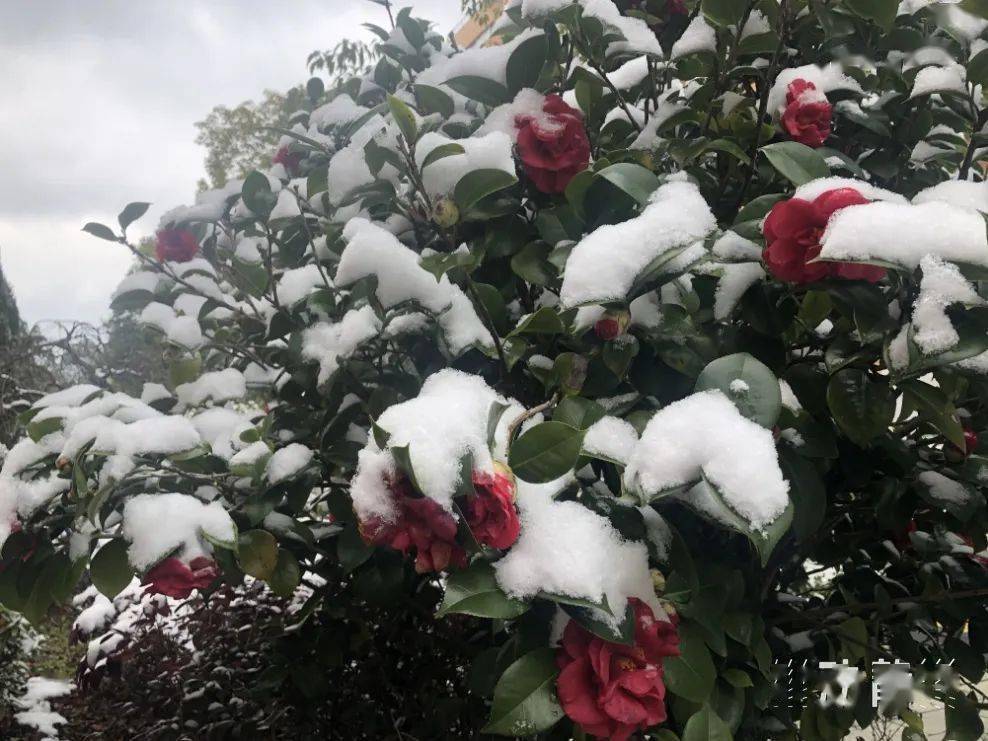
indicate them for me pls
(97, 104)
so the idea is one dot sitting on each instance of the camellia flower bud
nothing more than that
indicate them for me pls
(613, 324)
(658, 581)
(445, 213)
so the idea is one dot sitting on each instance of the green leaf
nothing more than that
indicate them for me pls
(37, 430)
(351, 549)
(481, 89)
(747, 382)
(525, 63)
(723, 12)
(635, 180)
(806, 490)
(934, 407)
(796, 162)
(862, 408)
(543, 321)
(257, 195)
(184, 370)
(578, 412)
(977, 68)
(433, 100)
(545, 452)
(286, 575)
(706, 725)
(882, 12)
(314, 88)
(623, 633)
(691, 674)
(131, 213)
(100, 230)
(474, 591)
(258, 553)
(110, 570)
(737, 678)
(480, 183)
(405, 119)
(525, 700)
(412, 30)
(443, 150)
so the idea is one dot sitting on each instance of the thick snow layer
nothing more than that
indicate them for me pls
(489, 152)
(209, 205)
(68, 397)
(941, 286)
(704, 435)
(339, 110)
(294, 285)
(827, 78)
(789, 400)
(814, 188)
(903, 234)
(160, 525)
(348, 168)
(221, 428)
(216, 386)
(287, 461)
(329, 343)
(610, 437)
(372, 250)
(157, 435)
(649, 137)
(757, 24)
(36, 709)
(939, 79)
(482, 61)
(963, 193)
(698, 36)
(447, 420)
(735, 279)
(945, 490)
(181, 330)
(566, 549)
(638, 36)
(603, 266)
(733, 247)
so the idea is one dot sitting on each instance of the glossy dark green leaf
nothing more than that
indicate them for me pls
(258, 553)
(748, 383)
(110, 569)
(478, 184)
(545, 452)
(405, 119)
(474, 591)
(796, 162)
(481, 89)
(131, 213)
(100, 230)
(862, 407)
(525, 700)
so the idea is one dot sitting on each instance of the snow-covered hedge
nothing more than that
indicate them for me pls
(625, 326)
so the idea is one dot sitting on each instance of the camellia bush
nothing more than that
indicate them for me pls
(651, 340)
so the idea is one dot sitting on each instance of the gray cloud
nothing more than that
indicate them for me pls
(99, 102)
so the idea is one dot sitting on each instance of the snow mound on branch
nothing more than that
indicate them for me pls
(942, 285)
(489, 152)
(827, 78)
(296, 284)
(603, 266)
(339, 110)
(179, 329)
(814, 188)
(902, 234)
(698, 36)
(962, 193)
(446, 421)
(638, 37)
(160, 525)
(566, 549)
(287, 461)
(490, 62)
(372, 250)
(610, 437)
(217, 386)
(329, 343)
(157, 435)
(704, 436)
(73, 396)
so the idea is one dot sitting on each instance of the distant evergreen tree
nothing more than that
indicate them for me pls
(10, 318)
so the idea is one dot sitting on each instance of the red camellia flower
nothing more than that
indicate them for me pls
(970, 441)
(793, 230)
(175, 245)
(490, 512)
(553, 147)
(806, 117)
(610, 689)
(421, 524)
(174, 578)
(287, 159)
